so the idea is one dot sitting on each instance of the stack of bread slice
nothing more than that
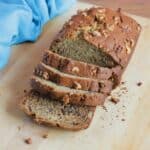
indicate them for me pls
(83, 65)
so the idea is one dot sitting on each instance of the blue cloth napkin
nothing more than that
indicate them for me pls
(22, 20)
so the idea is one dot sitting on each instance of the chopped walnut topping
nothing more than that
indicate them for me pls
(104, 32)
(45, 75)
(70, 23)
(116, 19)
(102, 10)
(94, 25)
(100, 17)
(111, 27)
(96, 33)
(87, 28)
(77, 85)
(84, 14)
(75, 69)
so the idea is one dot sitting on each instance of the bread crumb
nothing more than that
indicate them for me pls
(115, 100)
(28, 141)
(123, 82)
(25, 91)
(104, 107)
(19, 128)
(122, 119)
(139, 83)
(45, 136)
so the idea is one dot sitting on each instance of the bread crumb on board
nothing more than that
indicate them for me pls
(104, 107)
(19, 128)
(122, 119)
(28, 141)
(139, 83)
(115, 100)
(45, 136)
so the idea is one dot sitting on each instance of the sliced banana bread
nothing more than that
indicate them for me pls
(56, 113)
(98, 36)
(49, 73)
(66, 94)
(82, 69)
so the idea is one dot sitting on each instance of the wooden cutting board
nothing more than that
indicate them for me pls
(121, 126)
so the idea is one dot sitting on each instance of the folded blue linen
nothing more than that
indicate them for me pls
(22, 20)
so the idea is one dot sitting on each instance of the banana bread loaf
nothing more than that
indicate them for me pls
(98, 36)
(95, 44)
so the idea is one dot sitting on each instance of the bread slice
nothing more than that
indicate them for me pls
(66, 94)
(49, 73)
(55, 113)
(79, 68)
(98, 36)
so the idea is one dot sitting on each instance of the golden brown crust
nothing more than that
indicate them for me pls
(88, 98)
(71, 81)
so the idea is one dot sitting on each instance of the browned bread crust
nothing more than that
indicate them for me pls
(48, 73)
(67, 95)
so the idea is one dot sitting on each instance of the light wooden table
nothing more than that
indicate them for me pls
(138, 7)
(107, 132)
